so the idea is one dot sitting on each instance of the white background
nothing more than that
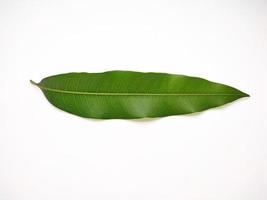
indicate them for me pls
(48, 154)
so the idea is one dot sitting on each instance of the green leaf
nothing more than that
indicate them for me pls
(130, 95)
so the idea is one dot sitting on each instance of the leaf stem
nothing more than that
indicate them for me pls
(32, 82)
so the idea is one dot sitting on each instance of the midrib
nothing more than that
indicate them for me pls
(132, 94)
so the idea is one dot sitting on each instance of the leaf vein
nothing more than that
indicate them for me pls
(135, 94)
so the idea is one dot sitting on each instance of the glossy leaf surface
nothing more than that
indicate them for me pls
(130, 95)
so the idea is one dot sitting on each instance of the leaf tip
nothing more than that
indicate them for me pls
(245, 95)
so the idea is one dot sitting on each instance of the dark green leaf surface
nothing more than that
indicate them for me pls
(130, 95)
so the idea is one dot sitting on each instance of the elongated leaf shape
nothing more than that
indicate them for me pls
(130, 95)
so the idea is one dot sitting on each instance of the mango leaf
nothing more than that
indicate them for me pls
(130, 95)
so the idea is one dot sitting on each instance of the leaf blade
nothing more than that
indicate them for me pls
(130, 95)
